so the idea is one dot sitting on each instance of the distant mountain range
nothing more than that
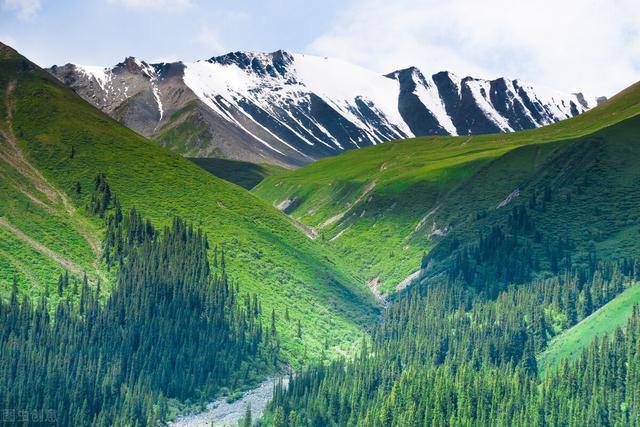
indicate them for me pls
(291, 109)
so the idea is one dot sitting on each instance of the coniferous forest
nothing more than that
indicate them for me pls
(445, 355)
(469, 344)
(172, 327)
(463, 347)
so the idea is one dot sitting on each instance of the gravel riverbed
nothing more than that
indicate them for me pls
(221, 413)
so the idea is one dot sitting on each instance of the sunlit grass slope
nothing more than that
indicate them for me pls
(383, 207)
(264, 252)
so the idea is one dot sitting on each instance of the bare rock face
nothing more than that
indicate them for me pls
(292, 109)
(139, 95)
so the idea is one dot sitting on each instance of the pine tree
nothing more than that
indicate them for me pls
(248, 421)
(278, 418)
(273, 322)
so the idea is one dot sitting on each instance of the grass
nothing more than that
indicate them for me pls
(184, 133)
(33, 270)
(414, 182)
(264, 252)
(245, 174)
(569, 344)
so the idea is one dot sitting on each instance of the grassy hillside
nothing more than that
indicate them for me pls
(183, 132)
(570, 344)
(566, 203)
(383, 207)
(264, 252)
(244, 174)
(34, 214)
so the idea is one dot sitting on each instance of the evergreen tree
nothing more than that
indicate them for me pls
(248, 421)
(167, 329)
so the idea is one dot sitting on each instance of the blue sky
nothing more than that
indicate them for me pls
(570, 45)
(104, 31)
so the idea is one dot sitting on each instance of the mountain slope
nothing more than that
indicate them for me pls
(528, 235)
(244, 174)
(68, 142)
(396, 201)
(573, 196)
(291, 109)
(445, 104)
(569, 344)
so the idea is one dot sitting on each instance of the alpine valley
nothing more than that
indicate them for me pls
(293, 241)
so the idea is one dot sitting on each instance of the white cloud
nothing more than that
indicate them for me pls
(210, 40)
(168, 5)
(572, 45)
(25, 9)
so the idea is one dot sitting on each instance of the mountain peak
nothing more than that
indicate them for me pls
(409, 71)
(274, 64)
(7, 52)
(135, 65)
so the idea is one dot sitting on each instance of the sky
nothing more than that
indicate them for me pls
(591, 46)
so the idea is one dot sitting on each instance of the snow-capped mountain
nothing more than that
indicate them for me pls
(445, 104)
(291, 109)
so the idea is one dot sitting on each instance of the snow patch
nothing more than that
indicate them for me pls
(427, 92)
(435, 231)
(425, 218)
(271, 101)
(554, 105)
(100, 74)
(340, 84)
(515, 193)
(283, 205)
(156, 95)
(223, 87)
(481, 90)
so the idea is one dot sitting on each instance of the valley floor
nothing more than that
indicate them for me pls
(222, 413)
